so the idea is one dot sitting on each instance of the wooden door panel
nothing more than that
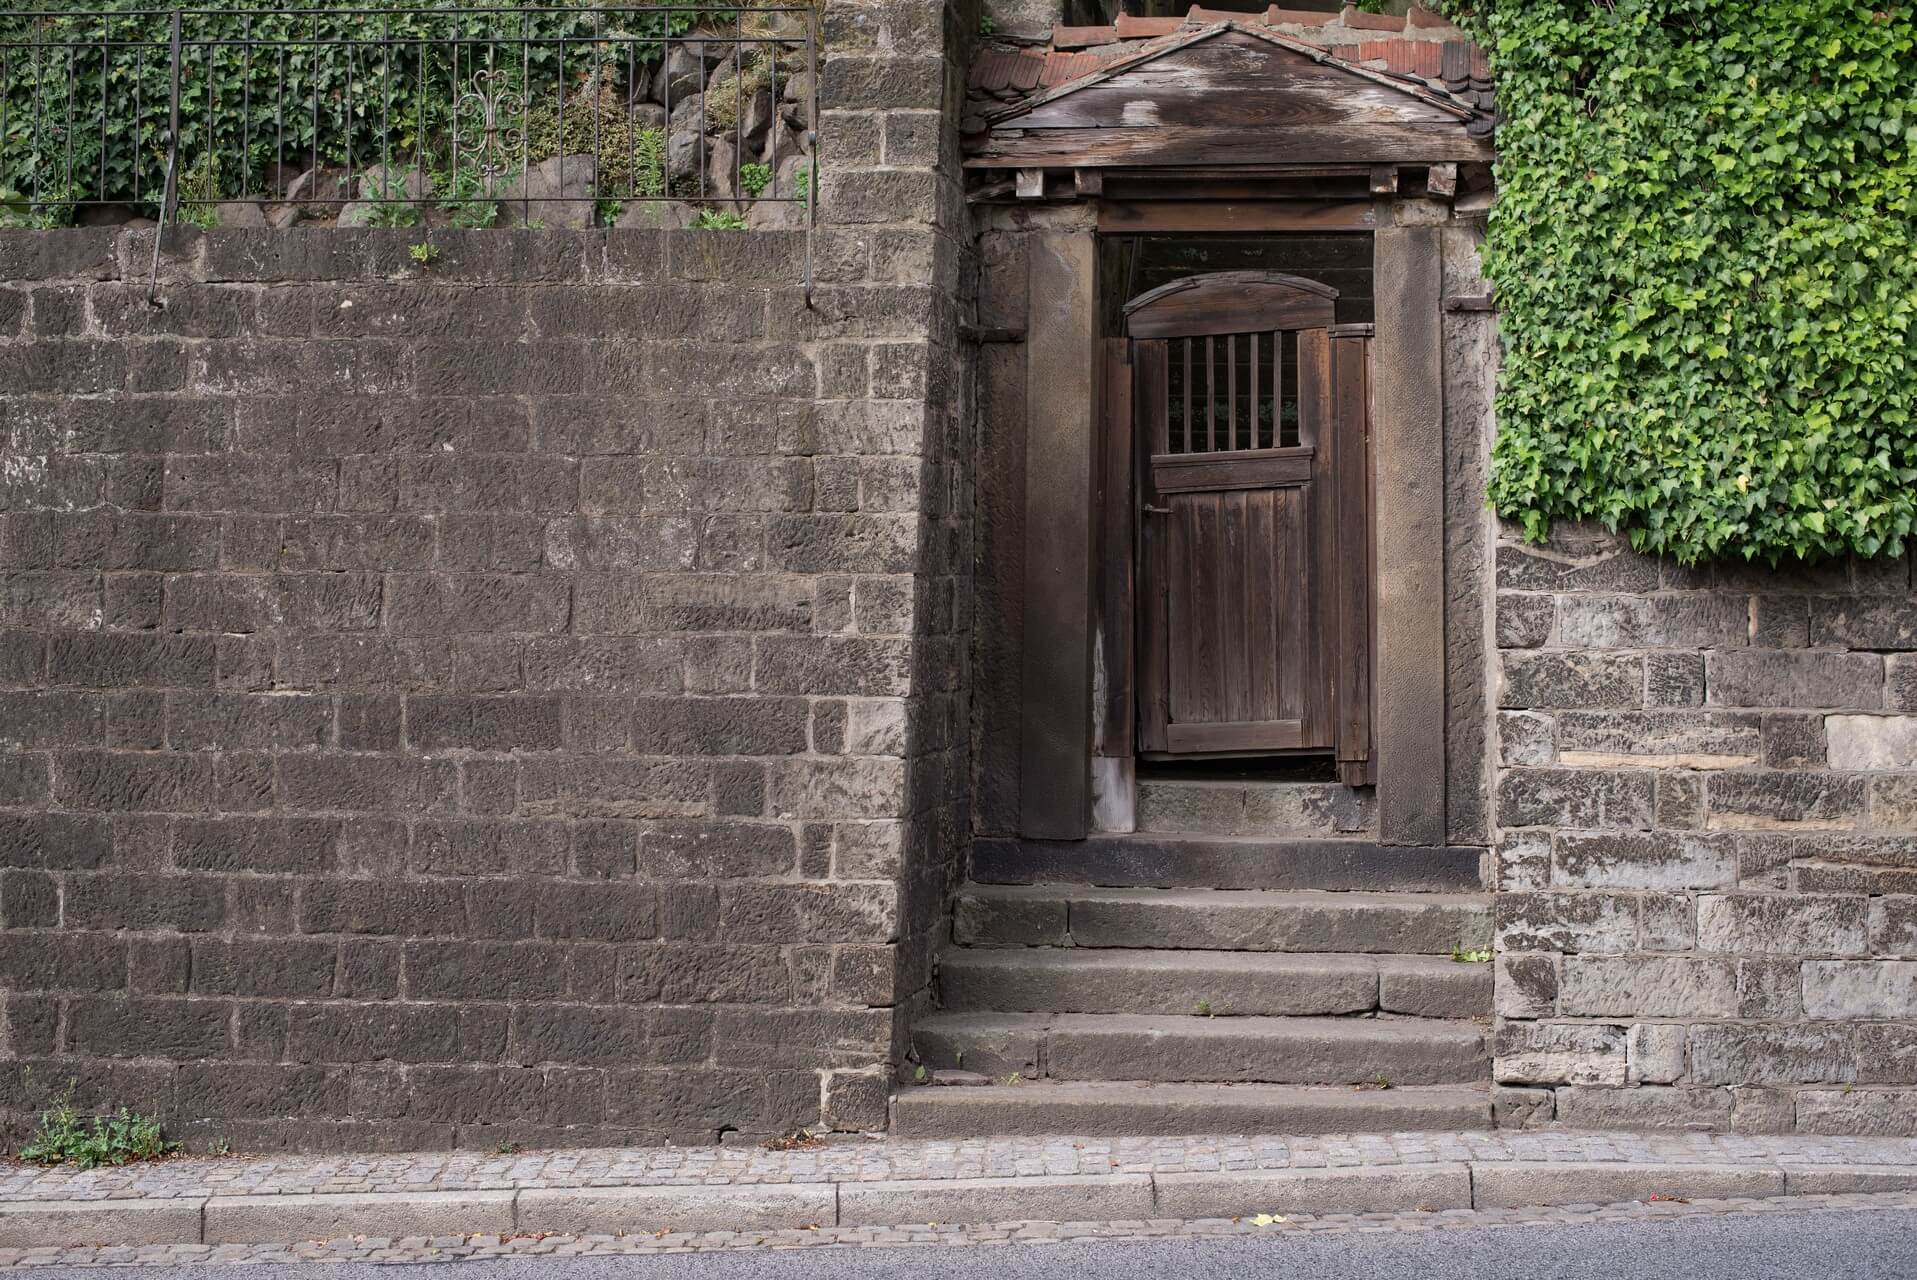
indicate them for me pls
(1243, 638)
(1252, 486)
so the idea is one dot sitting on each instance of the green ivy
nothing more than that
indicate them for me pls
(376, 82)
(1706, 266)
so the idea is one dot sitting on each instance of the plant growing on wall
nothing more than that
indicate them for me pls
(270, 85)
(1705, 252)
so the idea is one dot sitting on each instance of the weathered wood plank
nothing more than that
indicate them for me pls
(1220, 472)
(1351, 469)
(1117, 216)
(1010, 147)
(1153, 603)
(1231, 303)
(1112, 707)
(1227, 735)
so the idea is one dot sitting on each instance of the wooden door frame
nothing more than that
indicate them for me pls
(1068, 622)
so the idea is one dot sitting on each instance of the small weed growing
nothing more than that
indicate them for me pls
(1477, 955)
(507, 1149)
(921, 1075)
(797, 1140)
(219, 1147)
(1204, 1008)
(423, 253)
(65, 1137)
(755, 178)
(718, 220)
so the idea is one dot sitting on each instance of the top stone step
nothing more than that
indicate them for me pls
(1251, 808)
(1151, 860)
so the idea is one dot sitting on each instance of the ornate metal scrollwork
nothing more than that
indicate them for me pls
(482, 105)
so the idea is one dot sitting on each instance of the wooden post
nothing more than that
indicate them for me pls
(1061, 416)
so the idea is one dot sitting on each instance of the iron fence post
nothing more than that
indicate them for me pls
(170, 195)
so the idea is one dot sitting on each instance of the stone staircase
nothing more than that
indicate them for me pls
(1209, 981)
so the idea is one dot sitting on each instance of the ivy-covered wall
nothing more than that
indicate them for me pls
(1703, 249)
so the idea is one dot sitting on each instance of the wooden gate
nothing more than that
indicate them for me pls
(1253, 505)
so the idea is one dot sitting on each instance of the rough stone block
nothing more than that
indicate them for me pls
(1559, 1053)
(1644, 1107)
(1656, 1053)
(1552, 679)
(1795, 678)
(1629, 860)
(1860, 988)
(1647, 987)
(1782, 924)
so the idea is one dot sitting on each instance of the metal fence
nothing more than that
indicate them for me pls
(389, 115)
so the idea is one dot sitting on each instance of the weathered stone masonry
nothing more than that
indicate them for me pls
(510, 700)
(1708, 881)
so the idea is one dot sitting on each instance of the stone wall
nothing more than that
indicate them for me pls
(1707, 909)
(506, 699)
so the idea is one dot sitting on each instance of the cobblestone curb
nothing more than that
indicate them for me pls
(877, 1184)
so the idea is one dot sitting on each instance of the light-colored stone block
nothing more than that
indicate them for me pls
(603, 1210)
(1849, 1179)
(1782, 924)
(1548, 1053)
(1240, 1193)
(1074, 1198)
(1871, 742)
(1648, 986)
(42, 1224)
(1656, 1052)
(263, 1219)
(1860, 988)
(1499, 1186)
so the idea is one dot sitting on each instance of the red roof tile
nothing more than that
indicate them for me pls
(1130, 28)
(1274, 17)
(1064, 37)
(1422, 58)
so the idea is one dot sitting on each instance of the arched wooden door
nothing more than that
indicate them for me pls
(1253, 580)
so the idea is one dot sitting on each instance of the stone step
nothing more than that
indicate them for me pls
(1221, 919)
(1105, 1046)
(1221, 983)
(1147, 859)
(1239, 808)
(1098, 1108)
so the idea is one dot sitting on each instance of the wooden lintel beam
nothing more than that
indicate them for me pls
(1234, 215)
(1088, 182)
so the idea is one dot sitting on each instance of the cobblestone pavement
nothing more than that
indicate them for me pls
(467, 1248)
(879, 1159)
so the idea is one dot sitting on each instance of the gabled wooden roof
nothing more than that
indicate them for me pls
(1282, 83)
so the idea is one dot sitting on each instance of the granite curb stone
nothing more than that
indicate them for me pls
(886, 1184)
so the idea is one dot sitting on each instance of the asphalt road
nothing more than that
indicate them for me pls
(1867, 1245)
